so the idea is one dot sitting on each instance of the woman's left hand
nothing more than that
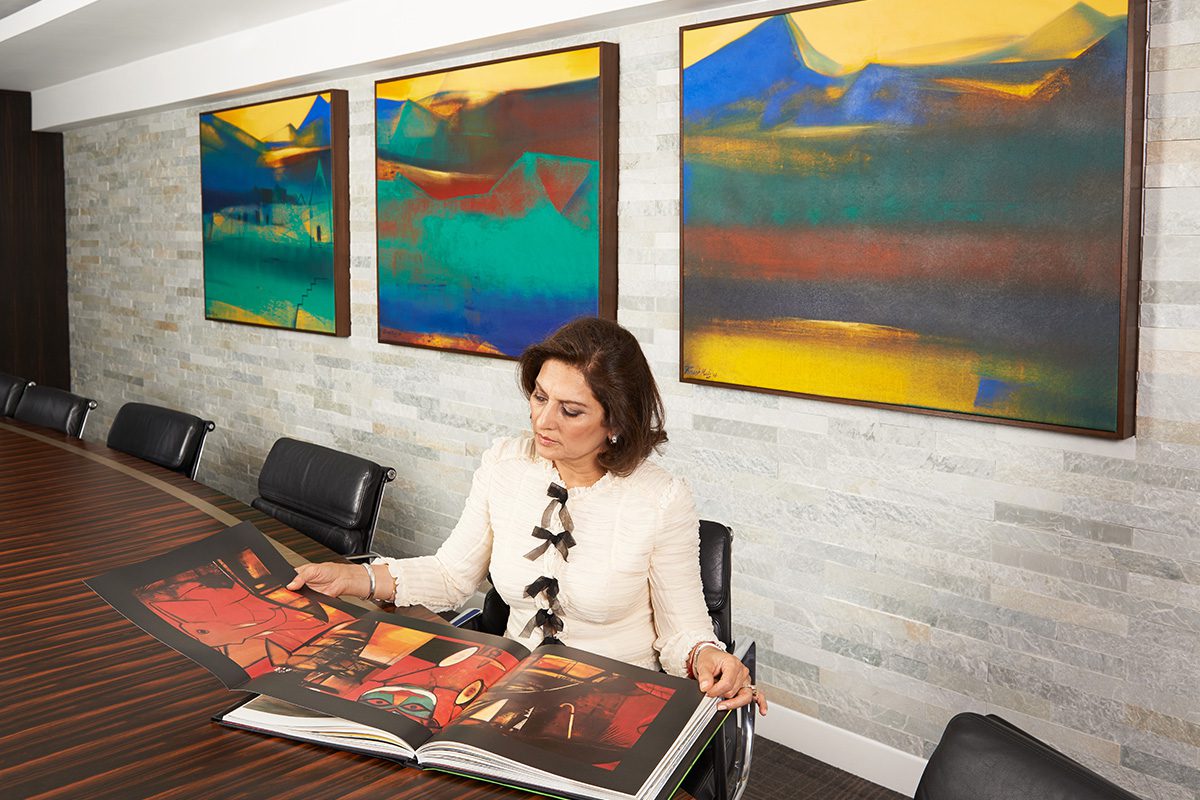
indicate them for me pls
(721, 674)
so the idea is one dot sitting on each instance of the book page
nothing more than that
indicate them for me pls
(267, 715)
(221, 602)
(406, 676)
(591, 720)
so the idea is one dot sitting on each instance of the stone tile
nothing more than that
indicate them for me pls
(1180, 774)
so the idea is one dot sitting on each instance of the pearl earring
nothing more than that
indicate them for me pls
(612, 439)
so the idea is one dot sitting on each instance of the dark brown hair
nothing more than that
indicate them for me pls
(616, 371)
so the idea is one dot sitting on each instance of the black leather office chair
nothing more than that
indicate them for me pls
(724, 767)
(722, 770)
(333, 497)
(54, 408)
(169, 438)
(11, 389)
(988, 758)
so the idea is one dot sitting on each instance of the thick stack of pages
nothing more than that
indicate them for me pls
(555, 720)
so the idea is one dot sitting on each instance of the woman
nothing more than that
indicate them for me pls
(612, 564)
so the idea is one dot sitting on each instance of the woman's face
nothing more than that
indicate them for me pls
(568, 421)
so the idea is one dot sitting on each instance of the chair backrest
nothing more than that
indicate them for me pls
(988, 758)
(54, 408)
(333, 497)
(11, 389)
(716, 576)
(171, 439)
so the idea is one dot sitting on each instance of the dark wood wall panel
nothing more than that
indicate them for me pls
(48, 343)
(34, 341)
(15, 143)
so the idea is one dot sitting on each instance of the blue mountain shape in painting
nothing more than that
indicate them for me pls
(319, 112)
(781, 65)
(1091, 87)
(315, 132)
(1103, 64)
(409, 132)
(773, 77)
(231, 164)
(885, 94)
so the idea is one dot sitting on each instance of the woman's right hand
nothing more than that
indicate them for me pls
(332, 579)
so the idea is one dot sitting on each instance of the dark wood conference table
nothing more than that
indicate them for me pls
(92, 707)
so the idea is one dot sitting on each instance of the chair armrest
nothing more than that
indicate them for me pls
(465, 618)
(740, 768)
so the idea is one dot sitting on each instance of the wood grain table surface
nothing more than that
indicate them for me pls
(91, 706)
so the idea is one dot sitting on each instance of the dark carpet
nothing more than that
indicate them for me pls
(780, 773)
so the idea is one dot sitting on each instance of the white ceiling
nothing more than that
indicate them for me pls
(48, 42)
(89, 61)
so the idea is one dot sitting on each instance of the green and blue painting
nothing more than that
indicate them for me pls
(267, 198)
(910, 202)
(488, 202)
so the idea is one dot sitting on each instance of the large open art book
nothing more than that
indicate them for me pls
(555, 720)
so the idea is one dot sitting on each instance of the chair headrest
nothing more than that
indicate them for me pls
(326, 484)
(160, 435)
(53, 408)
(11, 389)
(987, 758)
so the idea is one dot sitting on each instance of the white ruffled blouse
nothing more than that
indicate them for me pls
(628, 589)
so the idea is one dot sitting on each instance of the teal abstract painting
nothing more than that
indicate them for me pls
(496, 200)
(274, 194)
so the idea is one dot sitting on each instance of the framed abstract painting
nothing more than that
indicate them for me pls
(496, 200)
(926, 205)
(275, 195)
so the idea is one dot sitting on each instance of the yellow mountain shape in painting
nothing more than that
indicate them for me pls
(1043, 88)
(1064, 37)
(311, 322)
(277, 158)
(447, 104)
(285, 134)
(222, 310)
(947, 52)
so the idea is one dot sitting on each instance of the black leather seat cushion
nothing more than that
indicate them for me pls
(336, 538)
(53, 408)
(11, 389)
(160, 435)
(327, 494)
(987, 758)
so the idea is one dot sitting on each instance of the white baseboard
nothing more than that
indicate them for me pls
(858, 755)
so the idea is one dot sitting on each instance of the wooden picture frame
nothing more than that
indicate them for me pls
(496, 199)
(950, 226)
(275, 198)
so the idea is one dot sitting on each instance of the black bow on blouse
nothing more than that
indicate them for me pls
(564, 541)
(547, 620)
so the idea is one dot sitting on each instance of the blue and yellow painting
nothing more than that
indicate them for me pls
(488, 202)
(267, 198)
(910, 202)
